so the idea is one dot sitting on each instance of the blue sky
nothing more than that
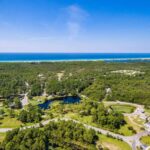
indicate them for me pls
(74, 26)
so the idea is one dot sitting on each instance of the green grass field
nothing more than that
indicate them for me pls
(2, 136)
(9, 123)
(125, 131)
(147, 111)
(146, 140)
(138, 121)
(132, 121)
(123, 108)
(113, 144)
(37, 100)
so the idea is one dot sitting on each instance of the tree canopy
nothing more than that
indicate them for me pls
(56, 135)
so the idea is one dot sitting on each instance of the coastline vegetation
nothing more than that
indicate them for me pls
(87, 78)
(94, 82)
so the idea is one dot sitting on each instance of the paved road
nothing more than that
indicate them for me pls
(138, 111)
(3, 130)
(133, 141)
(124, 103)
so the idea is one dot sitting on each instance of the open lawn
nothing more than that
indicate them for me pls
(124, 130)
(37, 100)
(85, 119)
(112, 144)
(123, 108)
(147, 111)
(136, 123)
(2, 136)
(146, 140)
(8, 122)
(130, 123)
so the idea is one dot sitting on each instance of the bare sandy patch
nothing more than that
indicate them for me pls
(110, 146)
(128, 72)
(60, 75)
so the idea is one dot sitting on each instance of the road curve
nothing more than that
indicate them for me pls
(133, 141)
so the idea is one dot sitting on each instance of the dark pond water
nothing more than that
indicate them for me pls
(45, 105)
(71, 99)
(65, 100)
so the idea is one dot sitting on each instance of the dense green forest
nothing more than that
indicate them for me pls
(56, 135)
(86, 78)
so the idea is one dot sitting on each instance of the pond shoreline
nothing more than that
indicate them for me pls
(64, 99)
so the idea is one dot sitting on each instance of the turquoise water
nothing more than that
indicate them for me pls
(36, 57)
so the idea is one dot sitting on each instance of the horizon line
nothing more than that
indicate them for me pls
(75, 52)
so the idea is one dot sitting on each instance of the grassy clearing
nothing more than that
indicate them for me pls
(136, 123)
(125, 131)
(1, 104)
(72, 111)
(37, 100)
(123, 108)
(130, 123)
(85, 119)
(2, 136)
(147, 111)
(8, 122)
(146, 140)
(113, 144)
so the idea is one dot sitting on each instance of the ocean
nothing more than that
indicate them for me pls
(46, 57)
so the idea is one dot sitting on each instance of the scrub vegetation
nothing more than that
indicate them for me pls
(88, 78)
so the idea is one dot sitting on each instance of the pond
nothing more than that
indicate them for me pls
(71, 99)
(45, 105)
(65, 100)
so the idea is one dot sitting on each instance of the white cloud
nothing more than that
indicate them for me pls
(77, 13)
(76, 16)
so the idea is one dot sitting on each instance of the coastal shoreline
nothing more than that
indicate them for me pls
(69, 57)
(78, 60)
